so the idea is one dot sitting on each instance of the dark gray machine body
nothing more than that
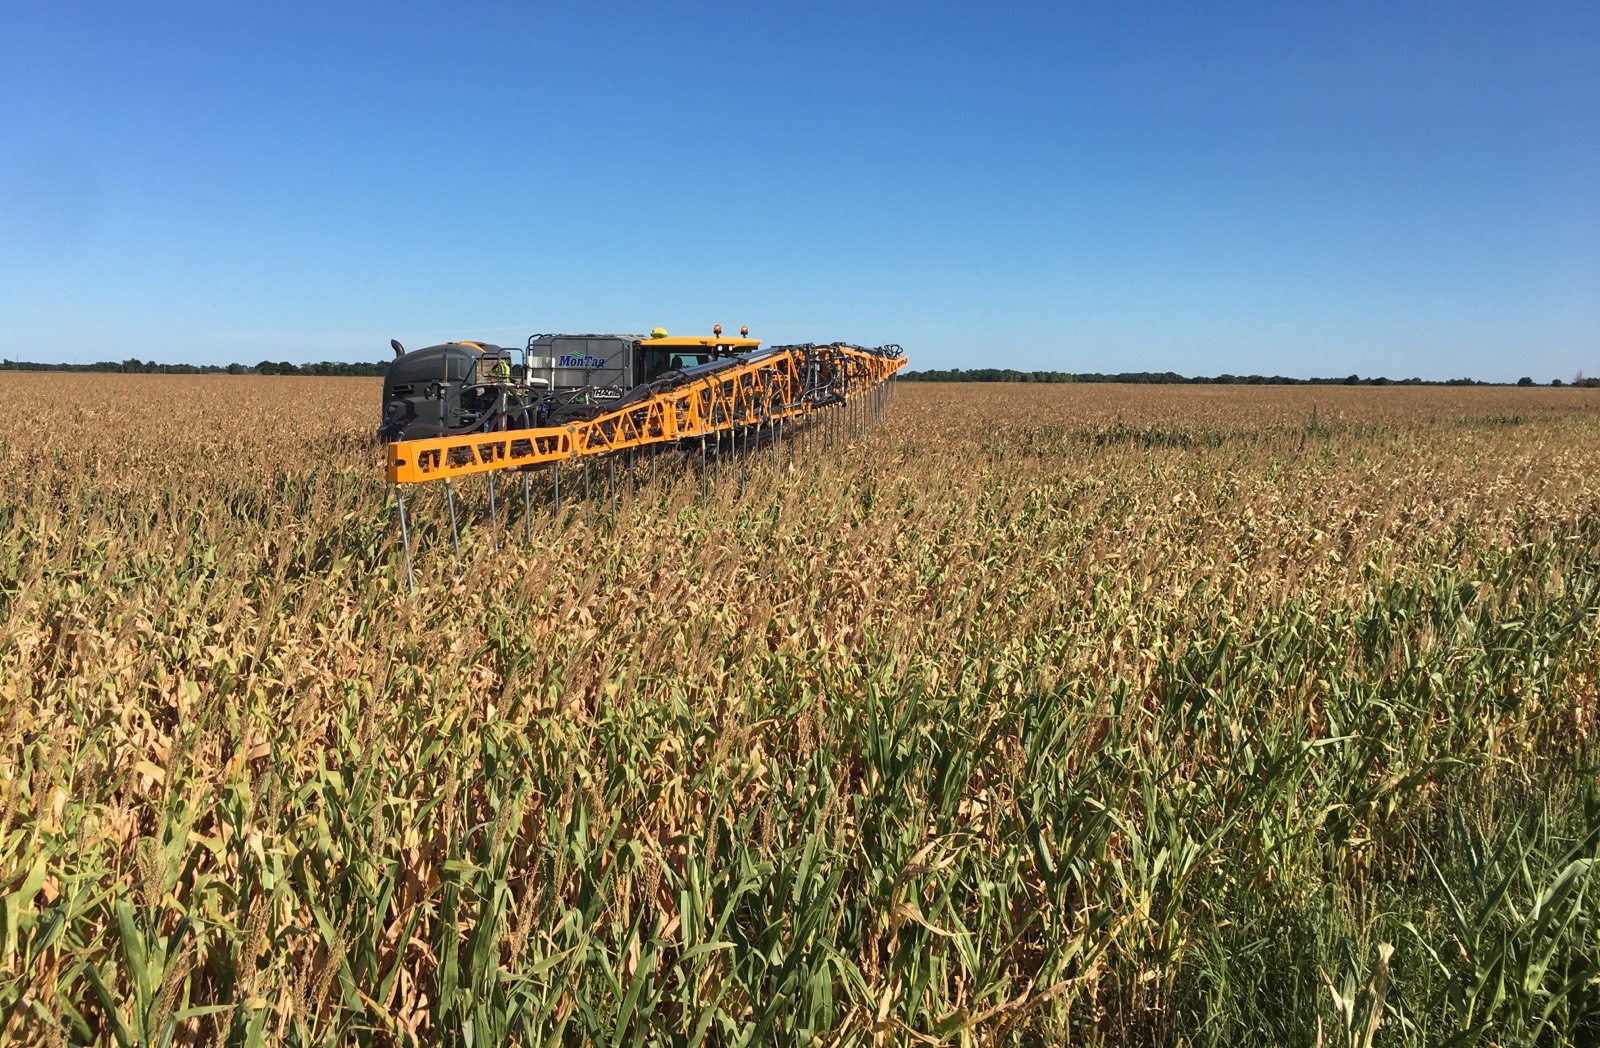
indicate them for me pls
(439, 390)
(458, 387)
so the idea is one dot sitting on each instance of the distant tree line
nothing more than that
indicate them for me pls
(135, 366)
(1162, 378)
(326, 367)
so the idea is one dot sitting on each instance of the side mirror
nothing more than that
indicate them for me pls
(399, 350)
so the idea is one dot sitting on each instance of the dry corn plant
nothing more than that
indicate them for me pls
(1096, 714)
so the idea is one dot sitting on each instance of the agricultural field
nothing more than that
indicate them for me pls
(1037, 714)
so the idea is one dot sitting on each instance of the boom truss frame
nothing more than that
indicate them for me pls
(782, 384)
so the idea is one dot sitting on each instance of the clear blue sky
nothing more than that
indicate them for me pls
(1400, 189)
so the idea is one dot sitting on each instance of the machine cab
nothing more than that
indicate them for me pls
(657, 356)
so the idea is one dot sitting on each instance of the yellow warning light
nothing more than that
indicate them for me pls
(744, 329)
(716, 329)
